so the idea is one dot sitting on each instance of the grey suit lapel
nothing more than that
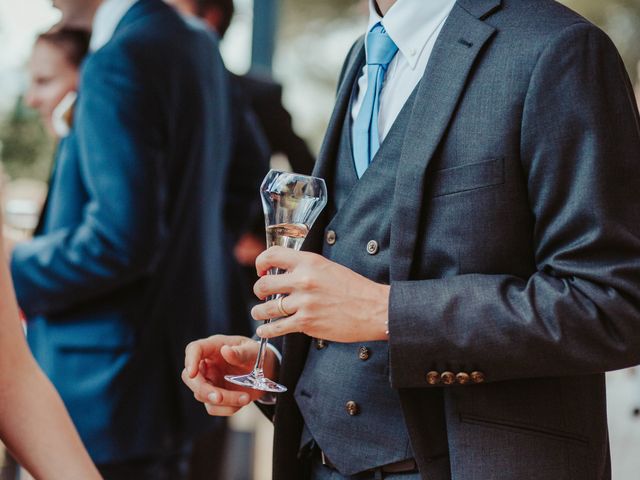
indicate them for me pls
(328, 152)
(331, 141)
(459, 43)
(296, 346)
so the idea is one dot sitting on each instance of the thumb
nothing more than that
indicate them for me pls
(240, 355)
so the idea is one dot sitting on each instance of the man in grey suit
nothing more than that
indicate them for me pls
(478, 267)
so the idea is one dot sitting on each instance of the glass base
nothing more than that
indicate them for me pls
(257, 383)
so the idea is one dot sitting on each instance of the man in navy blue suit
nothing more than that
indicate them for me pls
(262, 93)
(132, 256)
(273, 123)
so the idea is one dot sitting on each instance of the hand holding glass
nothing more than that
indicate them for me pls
(291, 204)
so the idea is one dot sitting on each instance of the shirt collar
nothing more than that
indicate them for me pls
(411, 23)
(106, 21)
(62, 115)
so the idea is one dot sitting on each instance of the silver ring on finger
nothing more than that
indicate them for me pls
(281, 308)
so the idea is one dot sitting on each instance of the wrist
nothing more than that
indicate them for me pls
(381, 312)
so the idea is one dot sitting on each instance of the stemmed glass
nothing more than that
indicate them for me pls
(291, 204)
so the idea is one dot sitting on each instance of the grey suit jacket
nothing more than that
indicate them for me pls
(515, 244)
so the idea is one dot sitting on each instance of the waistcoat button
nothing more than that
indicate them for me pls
(363, 353)
(463, 378)
(433, 378)
(331, 237)
(372, 247)
(448, 378)
(320, 344)
(477, 377)
(352, 408)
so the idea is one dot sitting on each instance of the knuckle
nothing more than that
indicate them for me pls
(306, 304)
(186, 379)
(266, 331)
(306, 281)
(267, 256)
(210, 410)
(314, 259)
(259, 288)
(304, 322)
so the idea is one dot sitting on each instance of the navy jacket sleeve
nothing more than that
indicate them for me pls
(579, 312)
(121, 162)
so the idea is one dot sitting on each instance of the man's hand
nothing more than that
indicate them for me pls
(324, 299)
(207, 361)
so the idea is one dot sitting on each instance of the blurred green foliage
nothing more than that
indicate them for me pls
(26, 149)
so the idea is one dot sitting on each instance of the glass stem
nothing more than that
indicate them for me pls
(258, 368)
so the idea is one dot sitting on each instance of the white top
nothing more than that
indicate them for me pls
(62, 115)
(106, 20)
(414, 26)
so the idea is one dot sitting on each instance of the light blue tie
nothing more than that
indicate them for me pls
(366, 141)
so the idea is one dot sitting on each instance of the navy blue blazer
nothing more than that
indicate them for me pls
(131, 262)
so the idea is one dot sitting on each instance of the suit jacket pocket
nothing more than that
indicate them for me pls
(468, 177)
(527, 429)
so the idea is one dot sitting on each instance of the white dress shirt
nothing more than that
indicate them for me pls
(106, 20)
(414, 26)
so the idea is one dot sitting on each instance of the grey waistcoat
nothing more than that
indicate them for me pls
(344, 394)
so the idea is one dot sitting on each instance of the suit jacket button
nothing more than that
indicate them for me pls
(372, 247)
(320, 344)
(331, 237)
(448, 378)
(463, 378)
(477, 377)
(433, 378)
(352, 408)
(363, 353)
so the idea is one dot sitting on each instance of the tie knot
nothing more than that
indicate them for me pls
(380, 47)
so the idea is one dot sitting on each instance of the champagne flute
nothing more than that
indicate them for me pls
(291, 204)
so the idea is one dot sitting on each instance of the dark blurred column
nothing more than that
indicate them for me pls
(265, 24)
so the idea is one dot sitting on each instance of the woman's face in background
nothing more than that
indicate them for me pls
(52, 76)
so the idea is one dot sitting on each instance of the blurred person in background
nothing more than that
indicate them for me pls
(264, 96)
(54, 73)
(53, 82)
(34, 424)
(477, 268)
(132, 259)
(250, 151)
